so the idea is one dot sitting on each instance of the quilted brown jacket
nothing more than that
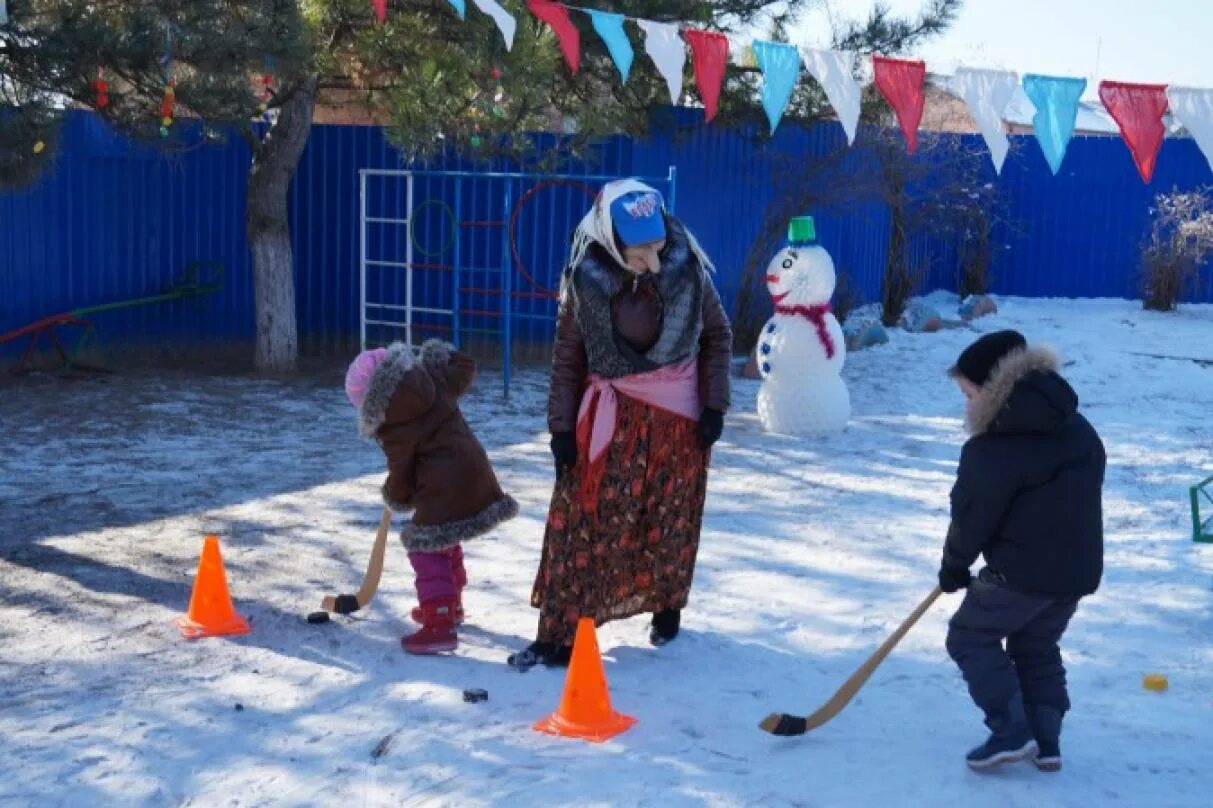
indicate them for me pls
(436, 466)
(636, 321)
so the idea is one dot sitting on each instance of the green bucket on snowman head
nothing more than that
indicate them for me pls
(802, 231)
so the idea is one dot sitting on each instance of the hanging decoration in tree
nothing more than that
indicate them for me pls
(710, 51)
(170, 92)
(266, 93)
(665, 47)
(1056, 101)
(832, 69)
(506, 23)
(166, 108)
(780, 66)
(1138, 110)
(460, 8)
(380, 7)
(101, 90)
(901, 84)
(39, 147)
(557, 18)
(1194, 108)
(610, 28)
(987, 92)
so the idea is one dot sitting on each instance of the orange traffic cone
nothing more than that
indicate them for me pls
(585, 709)
(211, 612)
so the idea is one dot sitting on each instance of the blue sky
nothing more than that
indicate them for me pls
(1163, 41)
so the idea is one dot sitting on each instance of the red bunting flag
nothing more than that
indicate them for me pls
(710, 51)
(1138, 110)
(900, 82)
(557, 16)
(380, 7)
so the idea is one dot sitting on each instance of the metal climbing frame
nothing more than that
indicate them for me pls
(442, 253)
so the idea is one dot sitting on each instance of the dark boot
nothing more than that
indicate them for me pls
(1046, 726)
(665, 626)
(1010, 738)
(547, 654)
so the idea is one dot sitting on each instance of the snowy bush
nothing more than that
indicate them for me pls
(1180, 239)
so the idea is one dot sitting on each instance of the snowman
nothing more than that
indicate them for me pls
(801, 349)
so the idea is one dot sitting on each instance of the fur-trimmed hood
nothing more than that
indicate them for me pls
(1023, 394)
(434, 356)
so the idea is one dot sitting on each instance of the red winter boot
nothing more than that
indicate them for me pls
(419, 616)
(437, 632)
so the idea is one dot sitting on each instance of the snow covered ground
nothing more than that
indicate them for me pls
(812, 552)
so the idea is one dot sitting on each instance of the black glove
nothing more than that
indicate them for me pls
(951, 579)
(711, 424)
(564, 450)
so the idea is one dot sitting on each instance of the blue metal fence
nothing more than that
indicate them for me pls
(112, 220)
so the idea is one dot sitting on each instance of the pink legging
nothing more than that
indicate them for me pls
(439, 575)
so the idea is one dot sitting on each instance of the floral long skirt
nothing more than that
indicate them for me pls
(632, 549)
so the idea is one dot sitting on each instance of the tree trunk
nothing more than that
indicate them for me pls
(896, 287)
(268, 231)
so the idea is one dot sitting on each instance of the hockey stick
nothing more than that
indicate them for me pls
(345, 604)
(784, 724)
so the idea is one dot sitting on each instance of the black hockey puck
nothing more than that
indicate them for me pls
(318, 617)
(474, 695)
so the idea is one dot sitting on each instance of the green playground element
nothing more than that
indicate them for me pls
(192, 284)
(1202, 530)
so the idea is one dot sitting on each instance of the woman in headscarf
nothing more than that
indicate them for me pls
(639, 388)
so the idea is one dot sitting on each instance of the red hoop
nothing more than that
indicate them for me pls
(522, 270)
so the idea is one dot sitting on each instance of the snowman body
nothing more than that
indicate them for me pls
(801, 351)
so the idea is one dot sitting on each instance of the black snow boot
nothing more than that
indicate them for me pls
(1010, 739)
(541, 653)
(1046, 726)
(665, 626)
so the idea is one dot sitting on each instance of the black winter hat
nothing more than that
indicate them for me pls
(978, 360)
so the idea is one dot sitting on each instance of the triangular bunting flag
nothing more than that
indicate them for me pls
(1056, 101)
(665, 47)
(900, 82)
(1194, 109)
(380, 7)
(610, 28)
(557, 17)
(987, 92)
(780, 66)
(461, 7)
(1138, 110)
(506, 23)
(832, 69)
(710, 51)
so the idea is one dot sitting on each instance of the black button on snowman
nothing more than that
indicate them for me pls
(802, 350)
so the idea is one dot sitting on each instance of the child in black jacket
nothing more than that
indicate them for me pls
(1028, 498)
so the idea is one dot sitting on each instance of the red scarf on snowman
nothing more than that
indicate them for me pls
(817, 316)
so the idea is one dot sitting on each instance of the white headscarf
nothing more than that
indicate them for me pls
(596, 226)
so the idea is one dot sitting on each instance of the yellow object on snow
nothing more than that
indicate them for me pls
(1154, 681)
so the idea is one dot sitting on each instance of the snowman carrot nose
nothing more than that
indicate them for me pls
(772, 279)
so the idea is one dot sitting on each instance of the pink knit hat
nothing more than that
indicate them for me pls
(358, 377)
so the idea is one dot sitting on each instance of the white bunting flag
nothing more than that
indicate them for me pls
(3, 13)
(832, 69)
(505, 21)
(667, 50)
(1193, 107)
(987, 92)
